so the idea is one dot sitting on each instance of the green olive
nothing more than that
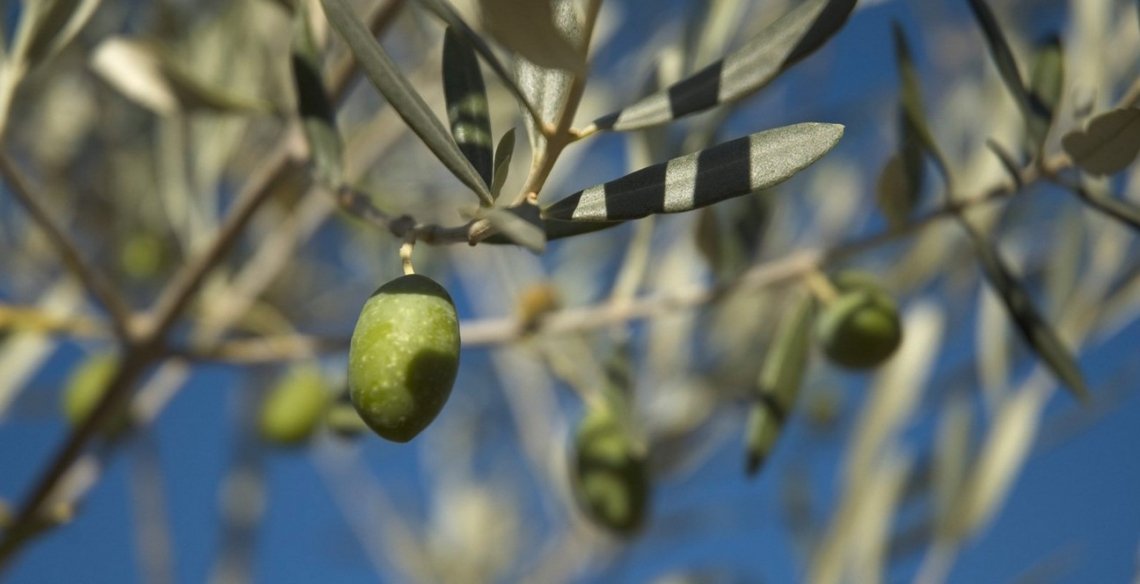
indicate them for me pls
(343, 421)
(611, 479)
(294, 407)
(86, 386)
(403, 357)
(861, 328)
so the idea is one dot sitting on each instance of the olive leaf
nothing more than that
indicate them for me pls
(1036, 114)
(554, 229)
(317, 115)
(466, 98)
(915, 134)
(1046, 84)
(1034, 329)
(734, 168)
(47, 26)
(1108, 144)
(443, 10)
(504, 152)
(774, 50)
(149, 76)
(897, 191)
(544, 88)
(396, 88)
(528, 28)
(779, 383)
(520, 225)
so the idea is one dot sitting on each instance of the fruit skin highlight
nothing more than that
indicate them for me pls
(294, 407)
(611, 477)
(403, 357)
(861, 328)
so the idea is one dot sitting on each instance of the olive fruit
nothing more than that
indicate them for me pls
(611, 477)
(86, 386)
(403, 356)
(343, 421)
(860, 329)
(294, 406)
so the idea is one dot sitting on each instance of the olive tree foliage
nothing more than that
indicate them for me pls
(224, 184)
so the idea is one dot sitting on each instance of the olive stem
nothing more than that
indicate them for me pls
(821, 286)
(406, 252)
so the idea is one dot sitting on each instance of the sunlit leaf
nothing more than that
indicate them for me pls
(147, 75)
(504, 152)
(466, 98)
(1034, 329)
(731, 169)
(1108, 144)
(555, 229)
(388, 79)
(780, 381)
(546, 89)
(777, 48)
(528, 28)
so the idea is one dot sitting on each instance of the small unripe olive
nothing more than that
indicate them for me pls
(294, 407)
(85, 387)
(403, 357)
(343, 421)
(861, 328)
(611, 478)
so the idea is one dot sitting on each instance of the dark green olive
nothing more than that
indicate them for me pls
(861, 328)
(86, 386)
(611, 478)
(403, 357)
(294, 407)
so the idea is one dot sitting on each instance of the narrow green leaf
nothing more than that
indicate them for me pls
(728, 170)
(51, 25)
(528, 28)
(709, 241)
(777, 48)
(896, 193)
(314, 106)
(520, 225)
(388, 79)
(1108, 144)
(445, 12)
(1032, 109)
(1046, 85)
(914, 129)
(780, 381)
(1034, 329)
(504, 152)
(466, 98)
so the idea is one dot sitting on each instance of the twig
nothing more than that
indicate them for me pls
(101, 289)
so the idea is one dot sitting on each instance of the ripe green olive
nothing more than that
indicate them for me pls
(85, 387)
(294, 407)
(403, 357)
(861, 328)
(611, 478)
